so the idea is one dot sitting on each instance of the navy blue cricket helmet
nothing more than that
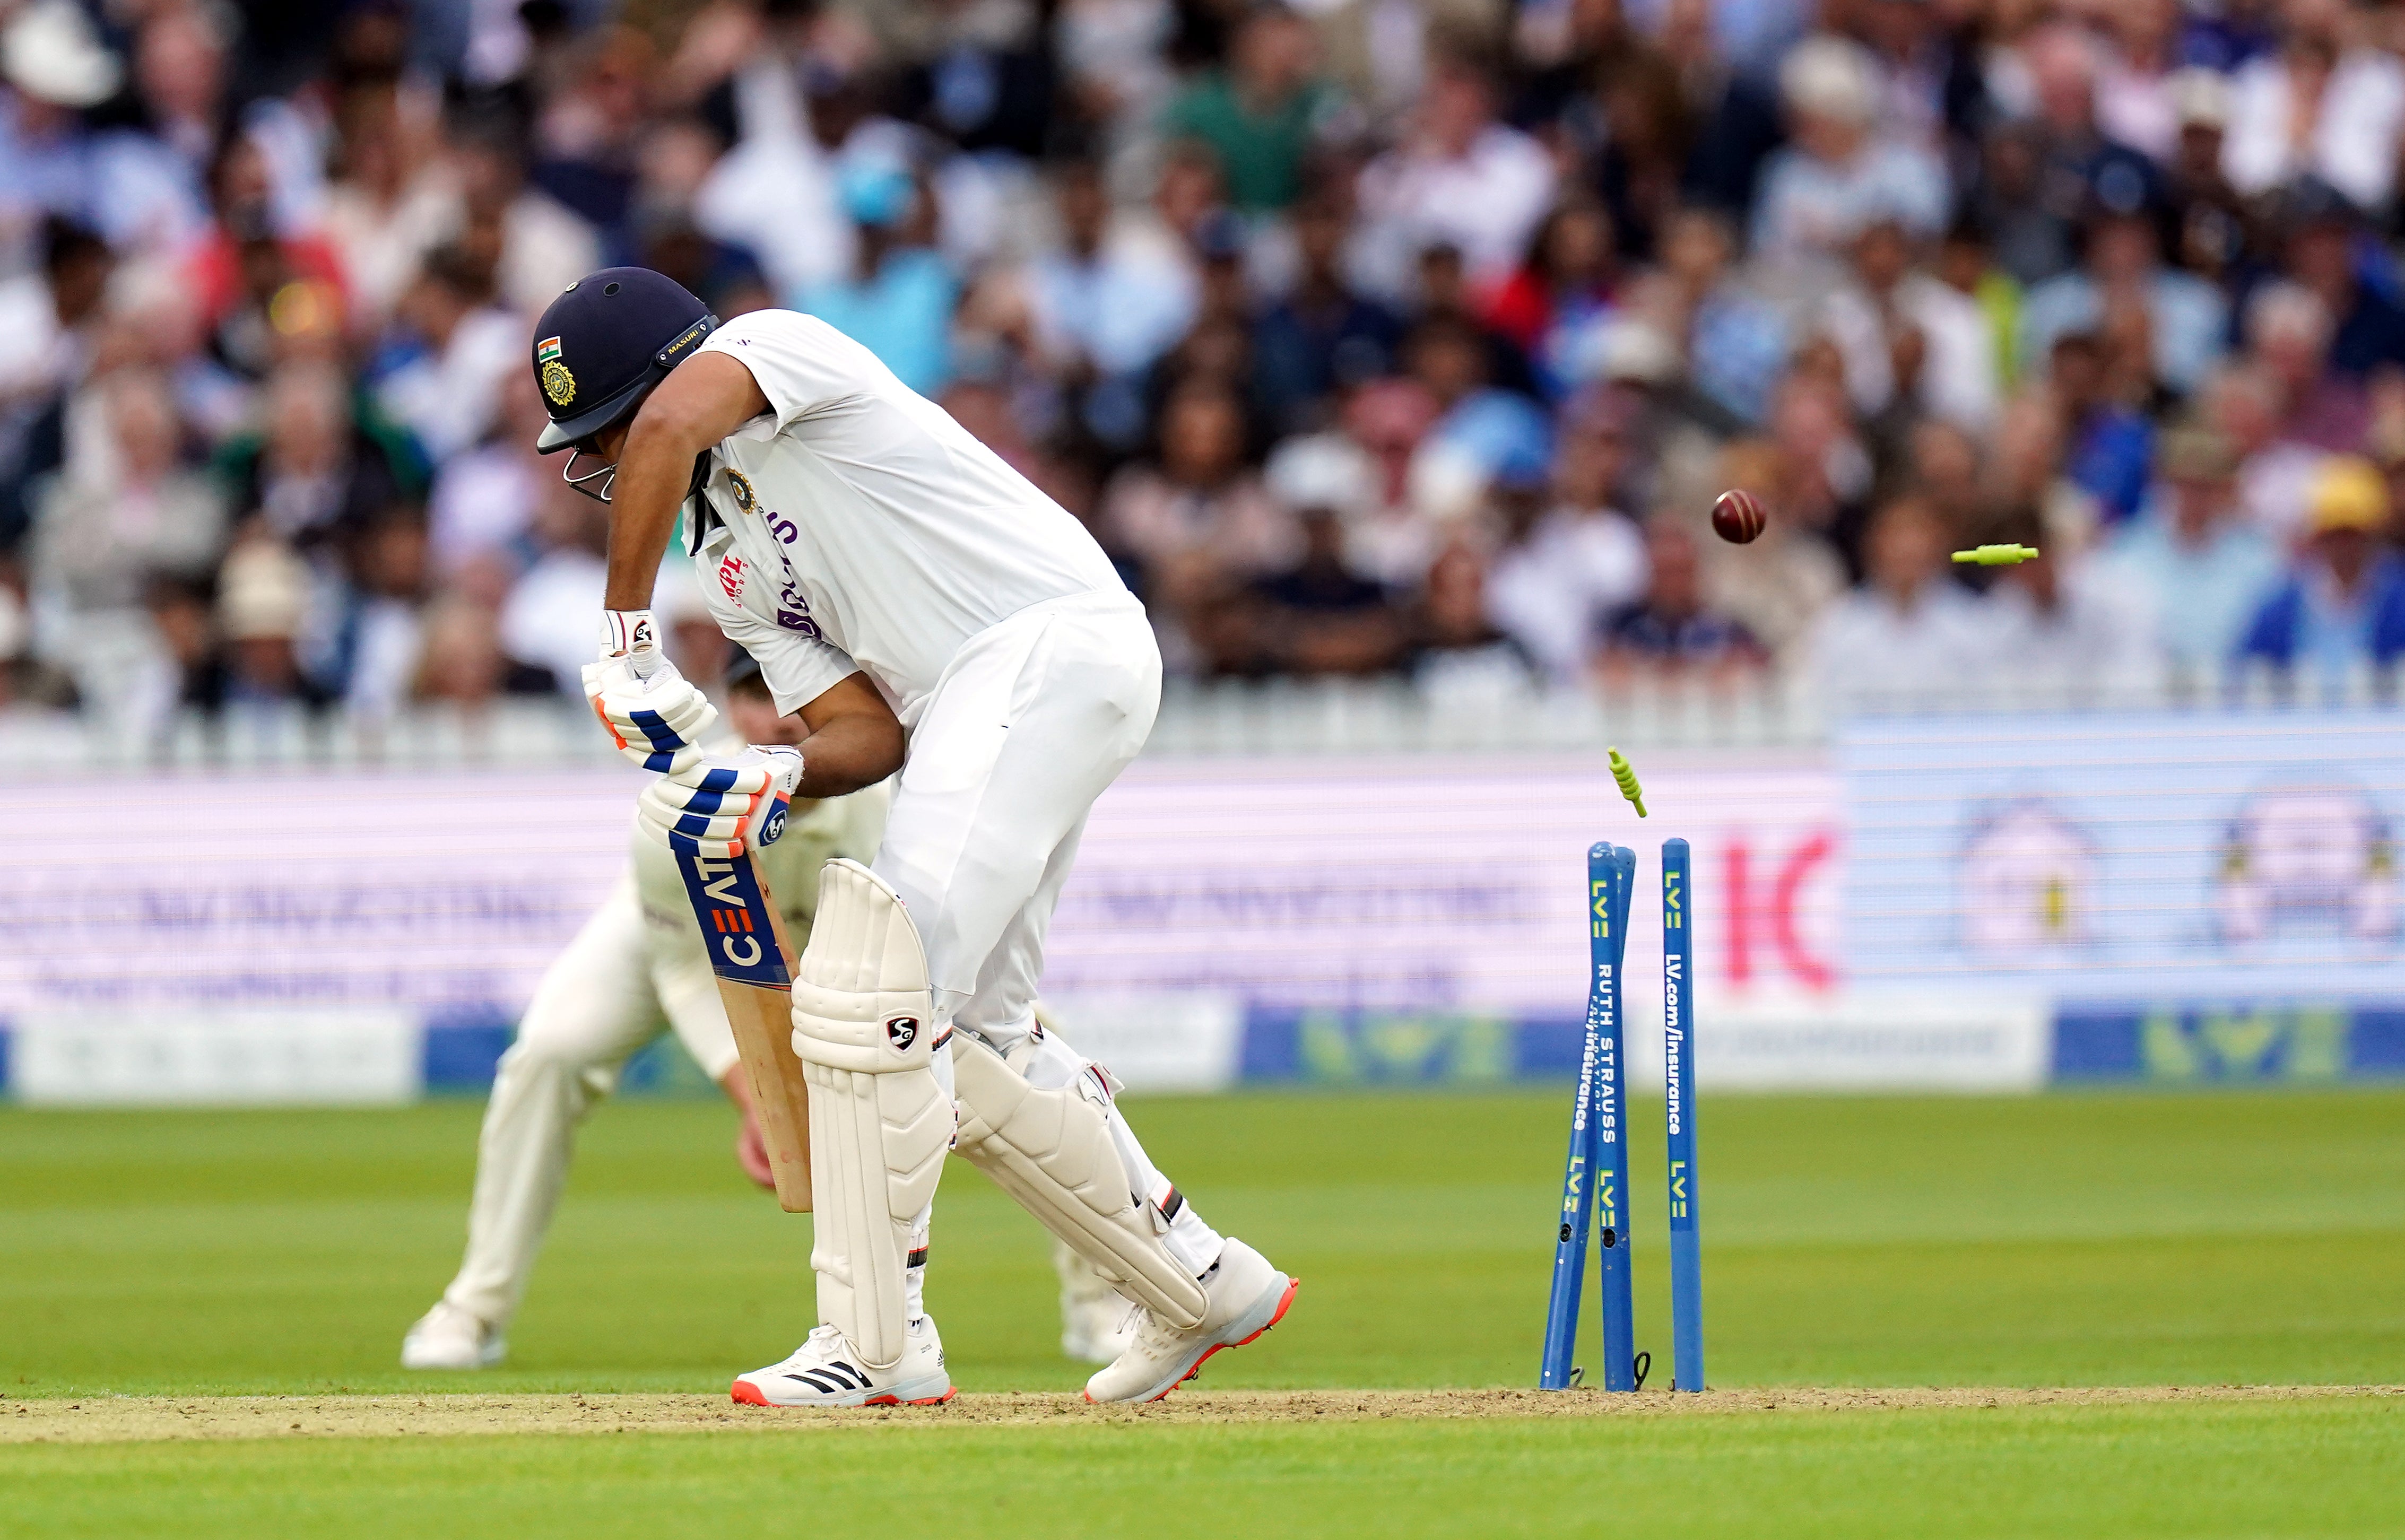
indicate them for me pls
(605, 343)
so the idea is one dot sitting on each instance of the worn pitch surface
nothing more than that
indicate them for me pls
(142, 1419)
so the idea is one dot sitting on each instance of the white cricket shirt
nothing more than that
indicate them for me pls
(855, 525)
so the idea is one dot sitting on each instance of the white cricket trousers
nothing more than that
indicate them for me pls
(1031, 722)
(604, 996)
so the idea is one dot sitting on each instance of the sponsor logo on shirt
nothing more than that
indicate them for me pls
(730, 577)
(794, 611)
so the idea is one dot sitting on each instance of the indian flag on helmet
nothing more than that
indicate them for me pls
(546, 350)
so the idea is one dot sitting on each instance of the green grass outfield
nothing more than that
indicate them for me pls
(2076, 1239)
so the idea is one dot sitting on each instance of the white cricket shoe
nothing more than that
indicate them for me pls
(448, 1337)
(826, 1372)
(1246, 1298)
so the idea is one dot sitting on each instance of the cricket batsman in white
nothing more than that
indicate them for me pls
(638, 964)
(924, 608)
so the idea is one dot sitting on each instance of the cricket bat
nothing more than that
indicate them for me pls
(754, 963)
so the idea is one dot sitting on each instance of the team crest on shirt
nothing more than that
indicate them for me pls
(740, 484)
(557, 384)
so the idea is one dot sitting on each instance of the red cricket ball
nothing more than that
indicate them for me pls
(1739, 516)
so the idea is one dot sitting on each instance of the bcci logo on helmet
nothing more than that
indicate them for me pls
(902, 1031)
(557, 382)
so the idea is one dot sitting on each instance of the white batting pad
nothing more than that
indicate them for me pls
(863, 1031)
(1051, 1150)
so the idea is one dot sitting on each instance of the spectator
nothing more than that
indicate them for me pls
(1777, 586)
(124, 511)
(1911, 344)
(1734, 344)
(2243, 405)
(2107, 444)
(2212, 222)
(897, 301)
(1108, 301)
(1838, 174)
(481, 505)
(244, 259)
(314, 472)
(548, 611)
(1493, 430)
(2043, 176)
(1553, 308)
(2316, 105)
(1200, 497)
(2288, 334)
(1320, 616)
(1259, 114)
(1671, 630)
(391, 201)
(50, 328)
(2122, 261)
(1323, 335)
(379, 639)
(2137, 88)
(129, 187)
(2192, 559)
(2345, 608)
(2060, 631)
(534, 244)
(1569, 560)
(263, 603)
(440, 375)
(460, 660)
(2321, 232)
(1362, 468)
(1910, 638)
(1458, 177)
(1458, 653)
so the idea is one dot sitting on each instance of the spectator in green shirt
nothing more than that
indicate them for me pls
(1260, 112)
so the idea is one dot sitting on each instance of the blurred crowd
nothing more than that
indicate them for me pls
(1368, 336)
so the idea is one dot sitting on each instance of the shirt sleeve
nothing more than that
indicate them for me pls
(799, 362)
(800, 669)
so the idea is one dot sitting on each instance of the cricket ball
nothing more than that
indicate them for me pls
(1739, 516)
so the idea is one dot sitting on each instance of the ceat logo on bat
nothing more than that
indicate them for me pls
(730, 577)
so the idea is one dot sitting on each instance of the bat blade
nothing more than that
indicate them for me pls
(754, 960)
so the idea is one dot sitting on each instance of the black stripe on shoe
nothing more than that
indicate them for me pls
(852, 1379)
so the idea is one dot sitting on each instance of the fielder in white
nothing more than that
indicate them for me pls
(636, 968)
(923, 608)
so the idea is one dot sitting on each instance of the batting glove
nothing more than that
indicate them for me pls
(649, 709)
(722, 809)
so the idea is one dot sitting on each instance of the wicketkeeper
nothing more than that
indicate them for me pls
(924, 608)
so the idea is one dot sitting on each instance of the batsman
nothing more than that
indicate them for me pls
(923, 608)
